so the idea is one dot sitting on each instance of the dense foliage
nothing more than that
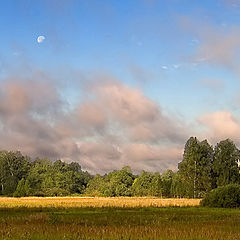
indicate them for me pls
(19, 176)
(226, 197)
(202, 169)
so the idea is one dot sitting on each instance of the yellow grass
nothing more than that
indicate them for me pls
(72, 202)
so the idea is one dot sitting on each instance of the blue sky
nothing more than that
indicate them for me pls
(112, 36)
(182, 55)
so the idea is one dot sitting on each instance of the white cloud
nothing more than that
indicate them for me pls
(164, 67)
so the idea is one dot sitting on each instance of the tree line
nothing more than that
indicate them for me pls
(202, 169)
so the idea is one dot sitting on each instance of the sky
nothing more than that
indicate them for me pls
(113, 83)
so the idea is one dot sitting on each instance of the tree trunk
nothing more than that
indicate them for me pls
(194, 181)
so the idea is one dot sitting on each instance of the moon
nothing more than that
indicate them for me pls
(40, 39)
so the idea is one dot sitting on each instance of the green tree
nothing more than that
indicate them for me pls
(13, 167)
(20, 191)
(28, 190)
(225, 165)
(142, 184)
(178, 187)
(41, 176)
(95, 186)
(195, 170)
(118, 183)
(147, 184)
(57, 179)
(156, 185)
(204, 176)
(167, 178)
(23, 188)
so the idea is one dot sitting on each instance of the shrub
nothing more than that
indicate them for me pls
(225, 197)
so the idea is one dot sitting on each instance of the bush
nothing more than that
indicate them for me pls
(225, 197)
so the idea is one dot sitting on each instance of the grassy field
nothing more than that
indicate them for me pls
(38, 218)
(74, 202)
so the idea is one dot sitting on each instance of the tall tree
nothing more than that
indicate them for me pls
(204, 168)
(196, 167)
(178, 188)
(13, 167)
(225, 165)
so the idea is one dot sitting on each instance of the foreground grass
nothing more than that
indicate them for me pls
(168, 223)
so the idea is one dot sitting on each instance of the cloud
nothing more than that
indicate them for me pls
(232, 3)
(217, 45)
(220, 47)
(138, 156)
(113, 125)
(140, 74)
(29, 111)
(164, 67)
(151, 157)
(213, 84)
(176, 66)
(220, 125)
(139, 116)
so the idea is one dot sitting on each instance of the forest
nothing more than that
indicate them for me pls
(202, 168)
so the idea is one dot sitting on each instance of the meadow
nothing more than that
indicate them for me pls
(115, 218)
(97, 202)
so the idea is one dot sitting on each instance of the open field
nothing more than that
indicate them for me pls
(170, 223)
(75, 202)
(114, 218)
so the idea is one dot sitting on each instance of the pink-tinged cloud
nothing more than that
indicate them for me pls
(100, 156)
(213, 84)
(153, 156)
(220, 47)
(22, 96)
(112, 126)
(220, 125)
(217, 45)
(140, 117)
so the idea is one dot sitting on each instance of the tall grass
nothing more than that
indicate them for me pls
(77, 218)
(119, 223)
(73, 202)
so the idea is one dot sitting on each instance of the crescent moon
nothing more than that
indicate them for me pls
(40, 39)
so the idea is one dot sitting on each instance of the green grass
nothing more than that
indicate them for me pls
(190, 223)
